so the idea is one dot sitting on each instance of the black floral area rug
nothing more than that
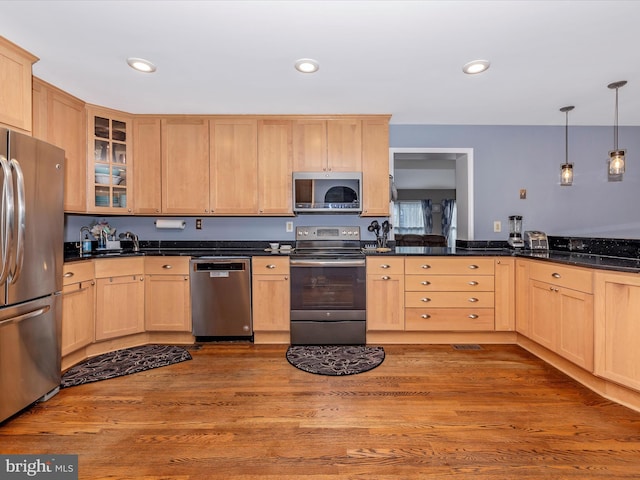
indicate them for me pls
(335, 360)
(123, 362)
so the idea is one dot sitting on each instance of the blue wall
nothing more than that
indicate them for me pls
(506, 159)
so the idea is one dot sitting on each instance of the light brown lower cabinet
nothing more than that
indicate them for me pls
(271, 296)
(167, 294)
(119, 297)
(385, 293)
(78, 299)
(617, 330)
(561, 311)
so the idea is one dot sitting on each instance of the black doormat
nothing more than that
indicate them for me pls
(335, 360)
(123, 362)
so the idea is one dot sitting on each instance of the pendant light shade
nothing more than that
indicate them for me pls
(616, 156)
(566, 170)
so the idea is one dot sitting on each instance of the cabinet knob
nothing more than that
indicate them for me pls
(473, 316)
(386, 277)
(425, 266)
(68, 275)
(473, 267)
(473, 283)
(286, 278)
(425, 299)
(425, 316)
(167, 267)
(385, 266)
(271, 266)
(473, 299)
(426, 282)
(556, 275)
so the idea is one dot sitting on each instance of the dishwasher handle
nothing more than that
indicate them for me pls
(219, 266)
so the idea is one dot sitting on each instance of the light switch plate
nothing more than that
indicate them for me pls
(523, 193)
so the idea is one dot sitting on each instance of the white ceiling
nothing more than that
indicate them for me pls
(398, 57)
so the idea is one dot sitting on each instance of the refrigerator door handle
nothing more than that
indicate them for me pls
(6, 219)
(25, 316)
(18, 258)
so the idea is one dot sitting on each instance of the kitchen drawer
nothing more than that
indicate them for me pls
(575, 278)
(449, 319)
(270, 265)
(118, 267)
(449, 299)
(166, 265)
(385, 265)
(449, 265)
(448, 283)
(75, 272)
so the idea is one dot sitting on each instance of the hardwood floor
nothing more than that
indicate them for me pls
(241, 411)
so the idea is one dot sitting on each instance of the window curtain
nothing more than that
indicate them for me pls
(427, 215)
(408, 217)
(449, 220)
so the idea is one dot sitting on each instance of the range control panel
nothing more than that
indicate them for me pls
(327, 233)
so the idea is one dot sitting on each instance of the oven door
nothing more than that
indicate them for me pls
(328, 285)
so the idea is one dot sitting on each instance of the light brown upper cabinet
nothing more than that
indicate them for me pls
(148, 165)
(234, 166)
(110, 159)
(327, 145)
(185, 165)
(275, 167)
(59, 118)
(15, 87)
(375, 167)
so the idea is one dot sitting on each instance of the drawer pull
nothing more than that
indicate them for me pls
(167, 267)
(384, 265)
(426, 282)
(386, 277)
(425, 266)
(473, 316)
(556, 275)
(425, 316)
(473, 267)
(473, 300)
(68, 275)
(553, 289)
(473, 283)
(271, 266)
(425, 299)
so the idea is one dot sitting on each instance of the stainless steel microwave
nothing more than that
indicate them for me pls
(327, 192)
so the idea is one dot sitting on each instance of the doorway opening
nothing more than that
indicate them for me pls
(427, 171)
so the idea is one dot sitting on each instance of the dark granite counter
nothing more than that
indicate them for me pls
(615, 255)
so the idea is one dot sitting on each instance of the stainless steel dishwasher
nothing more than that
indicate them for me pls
(221, 297)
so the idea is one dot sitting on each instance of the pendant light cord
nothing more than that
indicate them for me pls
(615, 125)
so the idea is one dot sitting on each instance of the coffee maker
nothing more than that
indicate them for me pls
(515, 231)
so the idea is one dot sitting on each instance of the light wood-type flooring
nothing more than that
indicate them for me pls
(241, 411)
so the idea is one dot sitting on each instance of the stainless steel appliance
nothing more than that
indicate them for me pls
(327, 192)
(221, 297)
(536, 240)
(31, 251)
(515, 231)
(328, 287)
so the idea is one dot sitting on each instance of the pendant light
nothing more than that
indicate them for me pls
(566, 170)
(616, 156)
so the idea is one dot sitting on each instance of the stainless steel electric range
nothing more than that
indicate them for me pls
(328, 287)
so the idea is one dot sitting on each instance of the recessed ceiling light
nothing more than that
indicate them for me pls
(307, 65)
(477, 66)
(141, 65)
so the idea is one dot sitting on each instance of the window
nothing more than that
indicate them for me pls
(409, 217)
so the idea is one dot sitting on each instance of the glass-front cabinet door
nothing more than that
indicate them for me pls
(109, 162)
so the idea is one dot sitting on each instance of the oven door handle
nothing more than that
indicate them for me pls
(309, 262)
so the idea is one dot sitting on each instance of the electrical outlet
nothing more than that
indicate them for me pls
(198, 224)
(523, 193)
(497, 226)
(289, 227)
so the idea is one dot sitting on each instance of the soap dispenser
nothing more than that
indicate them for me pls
(86, 244)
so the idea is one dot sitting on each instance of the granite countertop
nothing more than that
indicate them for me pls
(617, 258)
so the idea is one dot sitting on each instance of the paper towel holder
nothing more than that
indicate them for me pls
(162, 224)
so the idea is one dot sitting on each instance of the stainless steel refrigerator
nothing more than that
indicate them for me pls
(31, 256)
